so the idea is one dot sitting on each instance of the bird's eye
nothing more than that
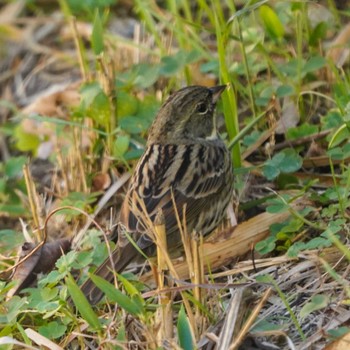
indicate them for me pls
(202, 108)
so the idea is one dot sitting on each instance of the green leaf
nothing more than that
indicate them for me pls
(340, 135)
(97, 35)
(100, 110)
(318, 243)
(266, 246)
(286, 161)
(210, 67)
(250, 139)
(81, 303)
(271, 171)
(266, 326)
(291, 161)
(277, 205)
(338, 332)
(271, 22)
(117, 296)
(89, 92)
(295, 249)
(11, 309)
(318, 34)
(313, 64)
(14, 166)
(285, 90)
(10, 239)
(170, 65)
(52, 330)
(121, 145)
(290, 68)
(24, 141)
(134, 124)
(129, 287)
(147, 75)
(301, 131)
(318, 302)
(184, 331)
(127, 105)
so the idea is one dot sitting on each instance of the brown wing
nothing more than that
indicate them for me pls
(196, 174)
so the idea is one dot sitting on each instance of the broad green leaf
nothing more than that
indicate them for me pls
(314, 64)
(318, 243)
(14, 166)
(184, 331)
(24, 141)
(295, 249)
(210, 67)
(134, 124)
(100, 110)
(52, 330)
(266, 326)
(250, 139)
(127, 104)
(134, 153)
(339, 136)
(13, 209)
(11, 309)
(290, 68)
(291, 161)
(301, 131)
(338, 332)
(272, 23)
(117, 296)
(121, 145)
(285, 90)
(286, 161)
(147, 75)
(89, 92)
(266, 246)
(318, 34)
(170, 65)
(271, 171)
(97, 35)
(294, 225)
(81, 303)
(277, 205)
(318, 302)
(9, 239)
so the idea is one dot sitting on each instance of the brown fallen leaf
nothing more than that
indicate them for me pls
(339, 47)
(56, 102)
(41, 261)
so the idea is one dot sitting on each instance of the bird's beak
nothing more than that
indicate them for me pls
(217, 91)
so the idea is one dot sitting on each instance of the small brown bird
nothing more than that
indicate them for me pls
(185, 163)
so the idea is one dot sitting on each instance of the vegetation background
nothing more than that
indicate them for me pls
(81, 83)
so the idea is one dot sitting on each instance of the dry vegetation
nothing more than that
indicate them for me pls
(80, 85)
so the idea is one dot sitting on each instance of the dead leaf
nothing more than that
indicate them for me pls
(338, 51)
(290, 116)
(39, 339)
(56, 102)
(42, 261)
(340, 344)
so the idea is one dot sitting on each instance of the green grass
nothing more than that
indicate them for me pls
(270, 54)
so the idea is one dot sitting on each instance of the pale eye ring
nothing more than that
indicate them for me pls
(202, 108)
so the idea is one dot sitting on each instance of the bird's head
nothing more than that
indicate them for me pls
(187, 115)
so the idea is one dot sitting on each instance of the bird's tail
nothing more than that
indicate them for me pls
(121, 256)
